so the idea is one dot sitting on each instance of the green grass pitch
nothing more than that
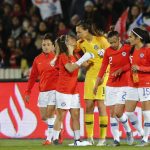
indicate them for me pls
(23, 144)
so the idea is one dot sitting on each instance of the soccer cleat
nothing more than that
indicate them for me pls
(130, 138)
(56, 142)
(47, 142)
(80, 143)
(61, 136)
(90, 141)
(101, 142)
(116, 143)
(143, 143)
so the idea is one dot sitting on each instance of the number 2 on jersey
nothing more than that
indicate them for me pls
(110, 60)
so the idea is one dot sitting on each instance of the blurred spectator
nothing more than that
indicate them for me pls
(28, 28)
(42, 29)
(25, 5)
(147, 2)
(73, 22)
(142, 19)
(29, 49)
(7, 51)
(1, 58)
(88, 10)
(26, 25)
(62, 29)
(134, 12)
(94, 14)
(16, 29)
(11, 2)
(77, 7)
(15, 58)
(35, 20)
(12, 55)
(17, 12)
(2, 35)
(6, 20)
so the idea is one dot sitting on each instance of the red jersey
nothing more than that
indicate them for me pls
(67, 82)
(141, 58)
(47, 74)
(117, 59)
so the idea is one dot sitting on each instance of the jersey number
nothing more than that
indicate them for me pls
(110, 60)
(146, 92)
(124, 96)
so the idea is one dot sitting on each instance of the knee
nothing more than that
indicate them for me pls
(112, 115)
(102, 111)
(43, 117)
(50, 114)
(89, 109)
(102, 108)
(60, 116)
(118, 114)
(75, 116)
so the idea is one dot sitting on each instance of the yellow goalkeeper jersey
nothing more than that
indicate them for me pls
(94, 46)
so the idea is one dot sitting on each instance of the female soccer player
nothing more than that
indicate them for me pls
(89, 43)
(117, 56)
(67, 96)
(48, 76)
(140, 90)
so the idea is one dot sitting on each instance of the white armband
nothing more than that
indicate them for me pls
(84, 58)
(101, 52)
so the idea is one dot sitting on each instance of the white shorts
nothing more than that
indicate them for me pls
(138, 94)
(47, 98)
(115, 95)
(67, 101)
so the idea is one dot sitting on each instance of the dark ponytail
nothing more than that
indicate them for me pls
(96, 31)
(132, 50)
(62, 44)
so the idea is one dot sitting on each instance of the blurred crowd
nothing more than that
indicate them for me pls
(21, 24)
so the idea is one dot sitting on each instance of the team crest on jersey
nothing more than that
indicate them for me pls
(141, 55)
(63, 104)
(124, 53)
(96, 47)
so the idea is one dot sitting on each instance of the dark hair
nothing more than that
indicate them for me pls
(91, 27)
(147, 36)
(132, 50)
(130, 16)
(112, 33)
(96, 30)
(48, 36)
(138, 32)
(142, 34)
(72, 35)
(62, 44)
(86, 25)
